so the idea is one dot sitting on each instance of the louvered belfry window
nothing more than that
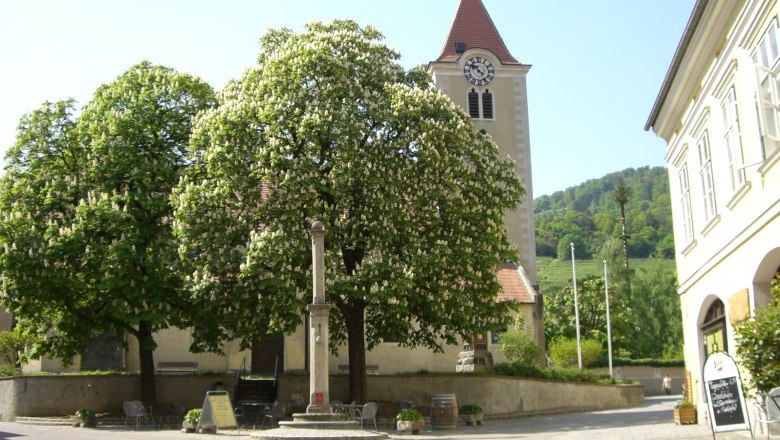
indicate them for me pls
(474, 104)
(487, 105)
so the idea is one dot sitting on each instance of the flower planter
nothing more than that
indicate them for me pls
(413, 426)
(188, 427)
(685, 416)
(471, 419)
(85, 422)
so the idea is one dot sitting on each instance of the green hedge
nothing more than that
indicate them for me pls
(559, 374)
(625, 362)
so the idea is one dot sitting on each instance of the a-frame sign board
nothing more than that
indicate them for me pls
(725, 399)
(217, 412)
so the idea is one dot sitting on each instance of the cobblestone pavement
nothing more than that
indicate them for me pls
(652, 420)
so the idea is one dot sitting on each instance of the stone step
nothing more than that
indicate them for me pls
(321, 434)
(47, 421)
(66, 421)
(319, 417)
(322, 424)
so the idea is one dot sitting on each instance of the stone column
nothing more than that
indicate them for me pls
(319, 311)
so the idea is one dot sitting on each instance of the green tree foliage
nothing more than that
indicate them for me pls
(328, 126)
(590, 212)
(519, 345)
(559, 313)
(86, 236)
(646, 320)
(563, 352)
(12, 343)
(758, 345)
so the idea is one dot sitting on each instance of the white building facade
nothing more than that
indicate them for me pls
(719, 112)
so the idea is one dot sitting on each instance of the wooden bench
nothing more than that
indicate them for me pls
(370, 368)
(177, 367)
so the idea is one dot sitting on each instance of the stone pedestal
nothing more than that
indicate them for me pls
(470, 361)
(319, 393)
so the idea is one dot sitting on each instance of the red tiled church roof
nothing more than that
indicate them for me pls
(473, 26)
(515, 284)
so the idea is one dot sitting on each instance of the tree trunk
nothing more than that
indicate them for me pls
(356, 340)
(624, 236)
(146, 356)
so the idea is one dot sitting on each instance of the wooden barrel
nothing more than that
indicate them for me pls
(444, 411)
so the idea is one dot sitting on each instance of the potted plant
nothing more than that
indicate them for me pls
(684, 413)
(471, 414)
(409, 420)
(191, 419)
(85, 418)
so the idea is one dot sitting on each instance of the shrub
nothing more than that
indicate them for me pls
(649, 362)
(470, 409)
(193, 416)
(558, 374)
(563, 352)
(519, 346)
(84, 413)
(683, 404)
(758, 344)
(409, 415)
(9, 370)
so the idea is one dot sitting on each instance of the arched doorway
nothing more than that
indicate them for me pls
(713, 328)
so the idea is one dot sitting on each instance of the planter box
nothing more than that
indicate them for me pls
(685, 416)
(471, 419)
(413, 426)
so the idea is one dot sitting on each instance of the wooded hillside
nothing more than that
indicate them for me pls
(588, 216)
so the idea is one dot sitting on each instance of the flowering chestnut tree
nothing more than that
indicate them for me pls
(328, 126)
(87, 246)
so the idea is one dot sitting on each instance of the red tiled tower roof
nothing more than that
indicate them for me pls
(473, 26)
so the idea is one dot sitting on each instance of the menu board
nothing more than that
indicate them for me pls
(725, 400)
(217, 411)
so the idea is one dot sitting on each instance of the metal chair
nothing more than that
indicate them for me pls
(368, 412)
(768, 411)
(135, 411)
(337, 406)
(276, 413)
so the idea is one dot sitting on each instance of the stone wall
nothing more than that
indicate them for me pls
(63, 395)
(498, 396)
(649, 377)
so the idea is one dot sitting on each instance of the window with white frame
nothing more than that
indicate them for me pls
(732, 140)
(765, 58)
(480, 105)
(685, 204)
(705, 172)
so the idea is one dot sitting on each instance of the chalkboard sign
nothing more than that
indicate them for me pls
(725, 400)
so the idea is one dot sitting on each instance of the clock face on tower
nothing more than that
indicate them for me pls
(479, 71)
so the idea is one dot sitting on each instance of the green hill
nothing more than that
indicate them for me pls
(588, 216)
(554, 274)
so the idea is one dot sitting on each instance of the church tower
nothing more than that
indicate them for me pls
(476, 70)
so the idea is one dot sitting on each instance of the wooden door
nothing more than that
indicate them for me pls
(268, 355)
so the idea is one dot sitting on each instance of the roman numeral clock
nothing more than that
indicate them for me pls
(479, 71)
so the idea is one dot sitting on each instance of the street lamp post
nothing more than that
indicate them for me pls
(576, 308)
(609, 326)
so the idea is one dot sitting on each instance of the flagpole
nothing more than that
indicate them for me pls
(609, 326)
(576, 307)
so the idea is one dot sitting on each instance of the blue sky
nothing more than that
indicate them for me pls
(597, 65)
